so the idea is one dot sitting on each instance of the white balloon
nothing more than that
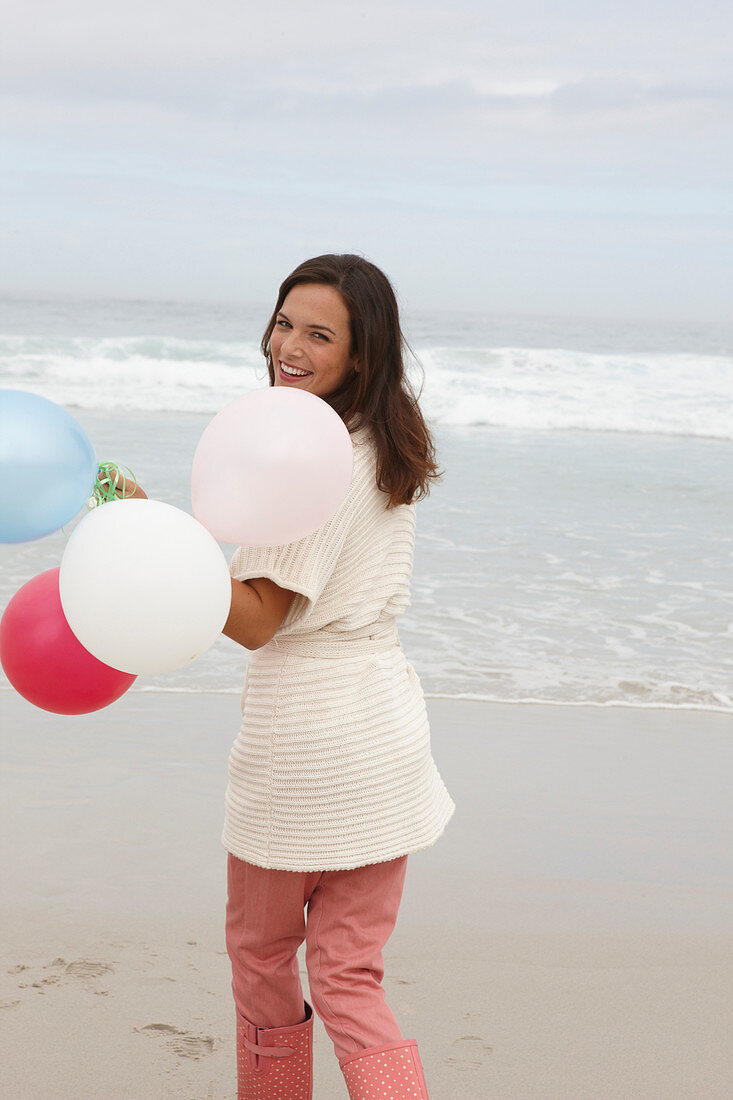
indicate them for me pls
(144, 587)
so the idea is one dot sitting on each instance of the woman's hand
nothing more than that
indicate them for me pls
(115, 481)
(259, 607)
(127, 489)
(137, 492)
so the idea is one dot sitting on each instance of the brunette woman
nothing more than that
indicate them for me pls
(331, 780)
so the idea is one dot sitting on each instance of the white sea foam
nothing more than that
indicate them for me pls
(131, 373)
(507, 387)
(555, 389)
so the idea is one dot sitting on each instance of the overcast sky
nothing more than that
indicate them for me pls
(510, 158)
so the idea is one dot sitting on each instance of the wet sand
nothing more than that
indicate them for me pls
(569, 938)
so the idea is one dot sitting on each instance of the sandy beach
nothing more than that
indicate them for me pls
(569, 938)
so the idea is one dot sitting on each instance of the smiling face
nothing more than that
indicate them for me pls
(310, 344)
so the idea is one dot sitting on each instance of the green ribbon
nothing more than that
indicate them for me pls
(109, 476)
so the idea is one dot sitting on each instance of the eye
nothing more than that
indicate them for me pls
(283, 323)
(321, 336)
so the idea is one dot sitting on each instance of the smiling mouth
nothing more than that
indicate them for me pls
(294, 372)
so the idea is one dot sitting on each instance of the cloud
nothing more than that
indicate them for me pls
(327, 45)
(582, 132)
(174, 128)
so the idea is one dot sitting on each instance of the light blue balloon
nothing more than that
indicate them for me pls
(47, 466)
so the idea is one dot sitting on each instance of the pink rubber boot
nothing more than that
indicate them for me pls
(275, 1062)
(393, 1072)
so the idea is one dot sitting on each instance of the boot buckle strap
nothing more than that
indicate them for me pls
(269, 1052)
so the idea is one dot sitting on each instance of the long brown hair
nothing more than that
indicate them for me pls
(379, 393)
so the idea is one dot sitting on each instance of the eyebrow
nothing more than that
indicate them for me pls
(312, 325)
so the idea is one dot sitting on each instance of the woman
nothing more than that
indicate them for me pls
(331, 780)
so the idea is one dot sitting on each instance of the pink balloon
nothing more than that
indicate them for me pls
(271, 467)
(43, 659)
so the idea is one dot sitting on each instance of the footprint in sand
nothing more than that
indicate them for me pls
(87, 971)
(42, 982)
(85, 968)
(181, 1043)
(470, 1052)
(56, 972)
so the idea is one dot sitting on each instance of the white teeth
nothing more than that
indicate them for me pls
(294, 371)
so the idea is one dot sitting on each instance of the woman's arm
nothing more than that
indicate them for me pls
(258, 609)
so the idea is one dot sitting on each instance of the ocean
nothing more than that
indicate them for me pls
(579, 548)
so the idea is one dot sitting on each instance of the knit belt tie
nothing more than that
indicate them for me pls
(334, 644)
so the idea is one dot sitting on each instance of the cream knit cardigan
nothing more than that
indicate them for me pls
(332, 767)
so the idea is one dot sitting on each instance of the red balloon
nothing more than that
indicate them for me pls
(43, 659)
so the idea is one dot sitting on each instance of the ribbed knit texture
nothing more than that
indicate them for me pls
(332, 766)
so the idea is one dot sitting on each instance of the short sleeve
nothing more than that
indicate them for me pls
(303, 567)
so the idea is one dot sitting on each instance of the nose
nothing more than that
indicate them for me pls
(291, 344)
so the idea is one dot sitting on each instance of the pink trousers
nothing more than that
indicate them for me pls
(350, 917)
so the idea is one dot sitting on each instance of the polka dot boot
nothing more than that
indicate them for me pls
(275, 1063)
(386, 1073)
